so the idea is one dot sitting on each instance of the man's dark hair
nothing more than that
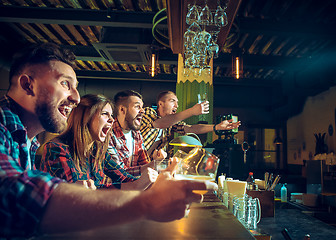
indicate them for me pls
(162, 95)
(120, 97)
(37, 54)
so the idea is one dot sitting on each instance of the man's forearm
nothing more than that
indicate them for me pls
(198, 128)
(74, 208)
(172, 119)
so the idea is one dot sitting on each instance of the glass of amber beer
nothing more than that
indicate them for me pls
(198, 164)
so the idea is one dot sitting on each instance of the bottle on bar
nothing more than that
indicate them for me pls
(283, 193)
(250, 182)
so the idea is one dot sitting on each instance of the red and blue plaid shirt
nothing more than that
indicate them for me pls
(58, 161)
(120, 153)
(24, 191)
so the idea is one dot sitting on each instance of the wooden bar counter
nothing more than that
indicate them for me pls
(207, 220)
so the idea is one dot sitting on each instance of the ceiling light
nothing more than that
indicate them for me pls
(237, 65)
(277, 140)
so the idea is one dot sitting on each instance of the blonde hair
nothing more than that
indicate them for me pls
(78, 136)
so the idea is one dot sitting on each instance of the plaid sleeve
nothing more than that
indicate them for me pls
(135, 171)
(148, 118)
(148, 132)
(57, 160)
(114, 171)
(24, 194)
(141, 152)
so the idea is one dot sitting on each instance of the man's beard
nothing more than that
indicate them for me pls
(131, 122)
(46, 111)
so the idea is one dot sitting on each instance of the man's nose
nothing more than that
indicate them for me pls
(74, 96)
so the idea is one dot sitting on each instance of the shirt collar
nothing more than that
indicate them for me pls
(13, 122)
(11, 116)
(118, 132)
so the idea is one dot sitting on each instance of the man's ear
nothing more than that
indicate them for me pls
(122, 110)
(26, 83)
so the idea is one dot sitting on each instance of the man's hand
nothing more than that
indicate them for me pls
(172, 164)
(147, 178)
(227, 125)
(169, 199)
(200, 108)
(159, 155)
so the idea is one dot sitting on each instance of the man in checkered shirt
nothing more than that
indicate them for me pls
(158, 126)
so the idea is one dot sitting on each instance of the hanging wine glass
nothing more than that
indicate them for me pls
(215, 49)
(192, 15)
(214, 35)
(209, 55)
(189, 39)
(189, 59)
(195, 27)
(207, 38)
(220, 18)
(205, 17)
(201, 46)
(202, 60)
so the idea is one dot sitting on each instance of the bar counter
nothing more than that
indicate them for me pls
(297, 222)
(207, 220)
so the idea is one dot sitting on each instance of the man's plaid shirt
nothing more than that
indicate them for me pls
(24, 191)
(120, 153)
(150, 133)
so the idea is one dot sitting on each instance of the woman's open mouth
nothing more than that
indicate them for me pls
(105, 130)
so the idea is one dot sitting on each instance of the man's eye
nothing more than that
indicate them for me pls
(65, 84)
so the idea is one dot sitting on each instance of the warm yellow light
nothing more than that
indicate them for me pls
(237, 67)
(153, 65)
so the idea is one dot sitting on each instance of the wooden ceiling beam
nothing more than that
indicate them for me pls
(89, 53)
(67, 16)
(162, 77)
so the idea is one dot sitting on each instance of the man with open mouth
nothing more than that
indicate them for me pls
(126, 145)
(158, 126)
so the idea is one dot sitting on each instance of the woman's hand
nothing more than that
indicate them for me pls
(89, 184)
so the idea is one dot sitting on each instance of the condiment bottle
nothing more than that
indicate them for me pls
(283, 193)
(250, 182)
